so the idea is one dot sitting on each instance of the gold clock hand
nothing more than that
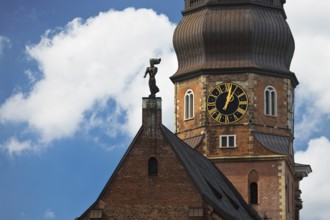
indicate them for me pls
(229, 95)
(232, 94)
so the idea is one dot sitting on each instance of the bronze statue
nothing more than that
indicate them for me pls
(152, 70)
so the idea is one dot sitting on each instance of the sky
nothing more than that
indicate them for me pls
(72, 85)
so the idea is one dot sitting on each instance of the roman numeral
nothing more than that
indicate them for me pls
(218, 88)
(226, 119)
(213, 96)
(213, 111)
(218, 118)
(240, 110)
(228, 86)
(240, 95)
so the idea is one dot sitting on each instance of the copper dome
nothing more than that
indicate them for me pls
(223, 36)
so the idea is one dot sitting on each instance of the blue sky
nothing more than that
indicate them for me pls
(71, 87)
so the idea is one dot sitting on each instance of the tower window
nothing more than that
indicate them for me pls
(253, 187)
(270, 101)
(227, 141)
(195, 2)
(189, 105)
(254, 193)
(96, 214)
(152, 167)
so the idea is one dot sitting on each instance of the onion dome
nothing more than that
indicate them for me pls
(233, 36)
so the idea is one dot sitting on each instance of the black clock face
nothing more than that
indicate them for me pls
(227, 103)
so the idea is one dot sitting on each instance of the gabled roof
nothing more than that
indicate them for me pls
(137, 136)
(216, 189)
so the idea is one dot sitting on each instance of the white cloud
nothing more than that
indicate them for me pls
(92, 61)
(4, 42)
(315, 188)
(49, 214)
(15, 146)
(32, 77)
(308, 21)
(312, 14)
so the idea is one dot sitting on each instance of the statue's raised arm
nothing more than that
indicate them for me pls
(152, 71)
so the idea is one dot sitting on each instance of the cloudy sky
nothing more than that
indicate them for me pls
(71, 87)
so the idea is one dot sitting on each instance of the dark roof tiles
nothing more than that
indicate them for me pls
(212, 184)
(194, 141)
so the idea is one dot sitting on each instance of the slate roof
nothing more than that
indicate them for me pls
(194, 141)
(275, 143)
(216, 189)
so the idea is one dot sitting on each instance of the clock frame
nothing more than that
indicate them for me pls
(227, 103)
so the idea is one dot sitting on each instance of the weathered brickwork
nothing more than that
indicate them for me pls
(276, 184)
(269, 201)
(189, 126)
(254, 84)
(132, 194)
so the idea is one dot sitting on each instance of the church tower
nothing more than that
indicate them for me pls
(234, 98)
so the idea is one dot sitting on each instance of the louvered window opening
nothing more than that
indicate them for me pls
(253, 193)
(152, 167)
(195, 2)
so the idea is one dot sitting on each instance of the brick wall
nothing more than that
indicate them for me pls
(269, 200)
(255, 118)
(276, 178)
(132, 194)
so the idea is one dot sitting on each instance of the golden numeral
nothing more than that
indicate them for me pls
(213, 111)
(211, 104)
(218, 117)
(226, 119)
(219, 89)
(228, 86)
(215, 97)
(243, 102)
(240, 95)
(240, 110)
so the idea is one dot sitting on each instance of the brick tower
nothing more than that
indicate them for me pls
(234, 98)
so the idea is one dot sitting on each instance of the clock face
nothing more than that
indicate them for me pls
(151, 103)
(227, 103)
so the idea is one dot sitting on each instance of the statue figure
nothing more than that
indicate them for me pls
(152, 70)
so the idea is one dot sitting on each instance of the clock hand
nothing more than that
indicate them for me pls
(229, 95)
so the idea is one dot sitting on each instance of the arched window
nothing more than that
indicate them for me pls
(253, 187)
(189, 104)
(270, 101)
(152, 167)
(254, 193)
